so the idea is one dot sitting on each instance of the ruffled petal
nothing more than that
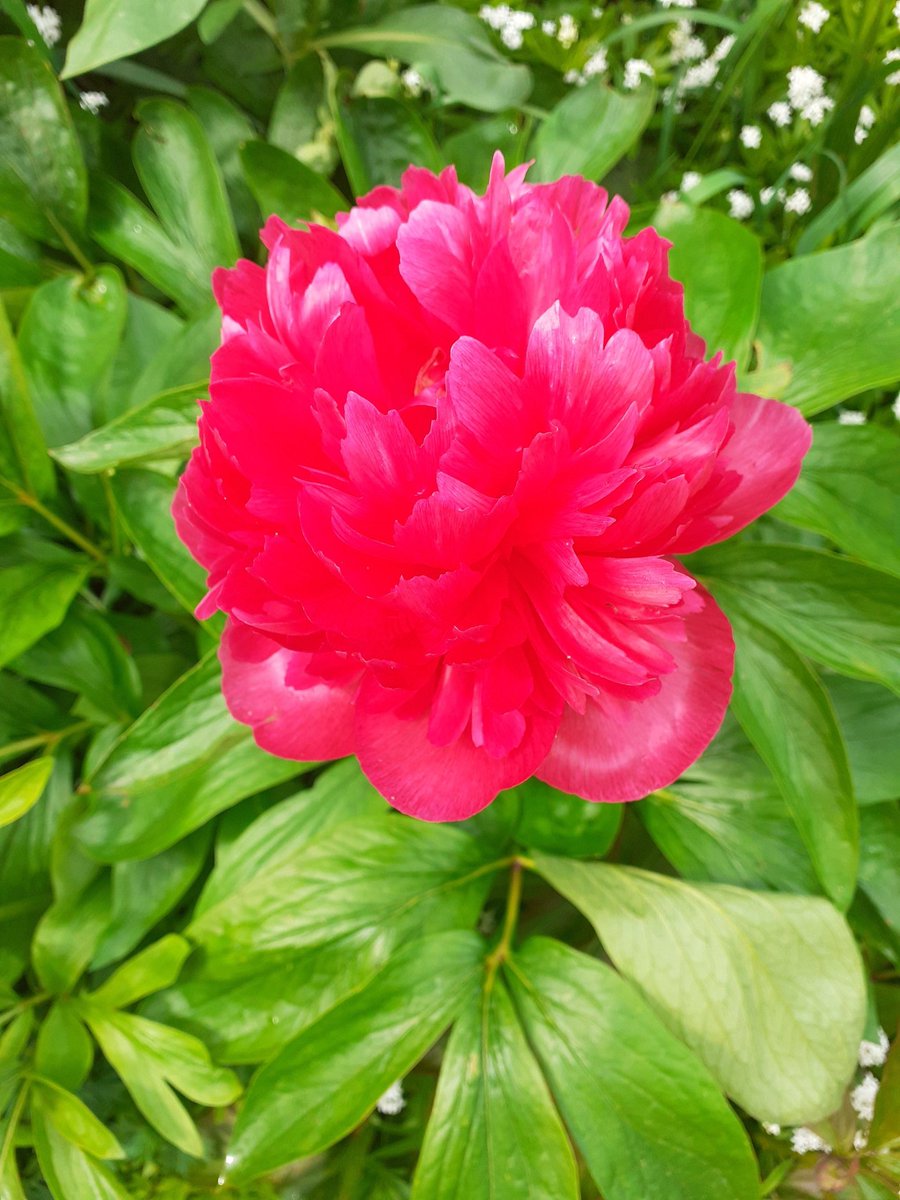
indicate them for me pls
(622, 749)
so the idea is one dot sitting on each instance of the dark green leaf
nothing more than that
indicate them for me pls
(624, 1084)
(21, 789)
(879, 866)
(114, 29)
(43, 185)
(324, 1082)
(34, 598)
(23, 451)
(148, 326)
(298, 108)
(287, 187)
(869, 717)
(563, 824)
(379, 138)
(227, 128)
(728, 970)
(590, 130)
(64, 1051)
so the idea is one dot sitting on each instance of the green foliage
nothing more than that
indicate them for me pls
(215, 963)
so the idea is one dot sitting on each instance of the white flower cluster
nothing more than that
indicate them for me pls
(892, 56)
(798, 202)
(813, 15)
(510, 23)
(393, 1101)
(740, 204)
(851, 416)
(47, 21)
(805, 1141)
(862, 1098)
(689, 180)
(92, 102)
(567, 33)
(636, 69)
(682, 3)
(864, 123)
(806, 96)
(686, 46)
(751, 137)
(702, 74)
(874, 1054)
(597, 64)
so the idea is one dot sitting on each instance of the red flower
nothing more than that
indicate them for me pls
(448, 452)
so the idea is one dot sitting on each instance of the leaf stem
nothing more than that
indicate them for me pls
(22, 1006)
(500, 953)
(9, 1137)
(58, 523)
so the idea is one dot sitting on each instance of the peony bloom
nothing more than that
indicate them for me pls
(449, 452)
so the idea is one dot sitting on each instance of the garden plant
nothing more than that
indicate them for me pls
(449, 603)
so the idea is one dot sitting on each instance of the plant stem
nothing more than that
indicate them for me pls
(9, 1138)
(58, 523)
(500, 953)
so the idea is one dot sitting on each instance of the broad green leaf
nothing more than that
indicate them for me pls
(885, 1127)
(493, 1130)
(181, 360)
(69, 1173)
(23, 451)
(869, 717)
(849, 491)
(216, 18)
(75, 1121)
(34, 598)
(379, 138)
(43, 184)
(324, 1082)
(68, 339)
(148, 326)
(297, 111)
(64, 1051)
(624, 1084)
(20, 258)
(181, 177)
(725, 821)
(165, 426)
(287, 187)
(151, 970)
(879, 866)
(227, 128)
(563, 824)
(720, 263)
(114, 29)
(856, 347)
(729, 971)
(590, 130)
(67, 936)
(454, 44)
(471, 149)
(860, 203)
(128, 230)
(144, 502)
(21, 789)
(841, 614)
(181, 762)
(787, 715)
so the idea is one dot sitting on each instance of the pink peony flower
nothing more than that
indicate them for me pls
(449, 452)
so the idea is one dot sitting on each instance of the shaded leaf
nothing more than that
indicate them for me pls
(869, 716)
(114, 29)
(590, 130)
(34, 599)
(286, 187)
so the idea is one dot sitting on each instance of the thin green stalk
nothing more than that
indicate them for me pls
(61, 526)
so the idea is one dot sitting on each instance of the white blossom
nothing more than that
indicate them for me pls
(669, 197)
(780, 113)
(864, 123)
(723, 49)
(897, 12)
(567, 34)
(47, 21)
(813, 15)
(685, 3)
(852, 416)
(596, 11)
(689, 180)
(700, 75)
(804, 1141)
(393, 1101)
(576, 77)
(686, 47)
(804, 84)
(766, 194)
(892, 56)
(801, 172)
(548, 27)
(92, 102)
(751, 137)
(895, 407)
(740, 204)
(510, 23)
(862, 1098)
(412, 81)
(635, 70)
(771, 1129)
(860, 1140)
(597, 64)
(798, 202)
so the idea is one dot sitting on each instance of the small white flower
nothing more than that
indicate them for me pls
(780, 113)
(851, 416)
(773, 1130)
(798, 202)
(92, 102)
(815, 111)
(723, 49)
(740, 204)
(860, 1140)
(567, 35)
(393, 1101)
(804, 1141)
(596, 11)
(813, 15)
(685, 46)
(804, 84)
(897, 12)
(862, 1098)
(575, 77)
(412, 81)
(548, 27)
(636, 69)
(597, 64)
(892, 56)
(895, 407)
(689, 180)
(766, 194)
(700, 75)
(669, 197)
(864, 123)
(801, 172)
(685, 3)
(47, 21)
(751, 137)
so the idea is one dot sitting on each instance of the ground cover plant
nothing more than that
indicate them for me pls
(229, 973)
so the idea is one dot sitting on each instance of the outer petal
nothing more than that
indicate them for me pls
(623, 749)
(310, 721)
(766, 450)
(438, 783)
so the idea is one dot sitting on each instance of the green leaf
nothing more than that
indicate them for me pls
(849, 492)
(563, 824)
(148, 326)
(885, 1127)
(184, 760)
(34, 598)
(69, 1173)
(179, 173)
(379, 138)
(67, 936)
(720, 263)
(856, 347)
(75, 1121)
(454, 44)
(227, 128)
(725, 821)
(287, 187)
(43, 184)
(64, 1051)
(624, 1084)
(787, 715)
(729, 971)
(68, 339)
(21, 789)
(155, 968)
(325, 1081)
(869, 717)
(296, 112)
(23, 451)
(879, 867)
(114, 29)
(841, 614)
(493, 1130)
(860, 203)
(590, 130)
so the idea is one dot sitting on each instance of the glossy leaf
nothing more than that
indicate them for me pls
(64, 1051)
(856, 348)
(152, 969)
(67, 936)
(43, 184)
(869, 717)
(563, 824)
(68, 1171)
(623, 1083)
(114, 29)
(227, 128)
(493, 1130)
(21, 789)
(34, 598)
(728, 970)
(879, 867)
(23, 451)
(75, 1121)
(296, 111)
(379, 138)
(324, 1082)
(286, 187)
(589, 131)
